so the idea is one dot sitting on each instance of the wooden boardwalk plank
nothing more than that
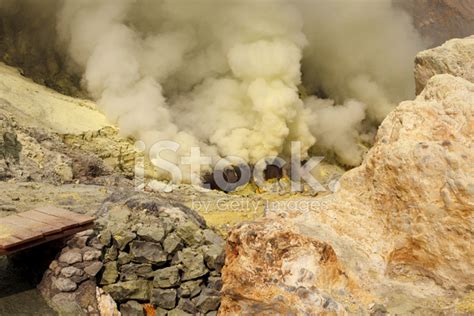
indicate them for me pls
(23, 235)
(9, 242)
(80, 218)
(58, 222)
(26, 223)
(31, 228)
(37, 242)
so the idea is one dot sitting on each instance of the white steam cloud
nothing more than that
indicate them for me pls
(227, 75)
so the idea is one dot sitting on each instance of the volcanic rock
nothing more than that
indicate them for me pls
(190, 233)
(129, 290)
(455, 57)
(166, 277)
(192, 264)
(90, 255)
(143, 251)
(93, 268)
(395, 234)
(64, 284)
(124, 258)
(70, 257)
(123, 238)
(151, 233)
(214, 256)
(110, 273)
(172, 243)
(68, 272)
(207, 301)
(132, 271)
(187, 305)
(164, 298)
(132, 308)
(190, 288)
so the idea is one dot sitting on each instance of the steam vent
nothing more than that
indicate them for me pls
(244, 157)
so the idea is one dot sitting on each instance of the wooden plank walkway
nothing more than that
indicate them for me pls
(35, 227)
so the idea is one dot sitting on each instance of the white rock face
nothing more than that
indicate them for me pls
(455, 57)
(397, 236)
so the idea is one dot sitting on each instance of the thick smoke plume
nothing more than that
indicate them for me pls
(227, 76)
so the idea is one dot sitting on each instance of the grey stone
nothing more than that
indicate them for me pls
(190, 288)
(190, 233)
(110, 273)
(64, 285)
(214, 283)
(79, 278)
(68, 272)
(93, 268)
(151, 233)
(167, 277)
(213, 313)
(66, 304)
(192, 264)
(208, 300)
(95, 243)
(111, 253)
(172, 243)
(160, 311)
(143, 251)
(187, 305)
(128, 276)
(212, 238)
(91, 255)
(214, 256)
(178, 312)
(70, 257)
(132, 308)
(130, 290)
(164, 298)
(167, 223)
(124, 258)
(123, 238)
(131, 271)
(105, 237)
(77, 241)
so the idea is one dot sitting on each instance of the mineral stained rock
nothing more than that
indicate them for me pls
(455, 57)
(397, 237)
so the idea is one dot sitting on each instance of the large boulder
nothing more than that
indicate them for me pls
(455, 57)
(396, 237)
